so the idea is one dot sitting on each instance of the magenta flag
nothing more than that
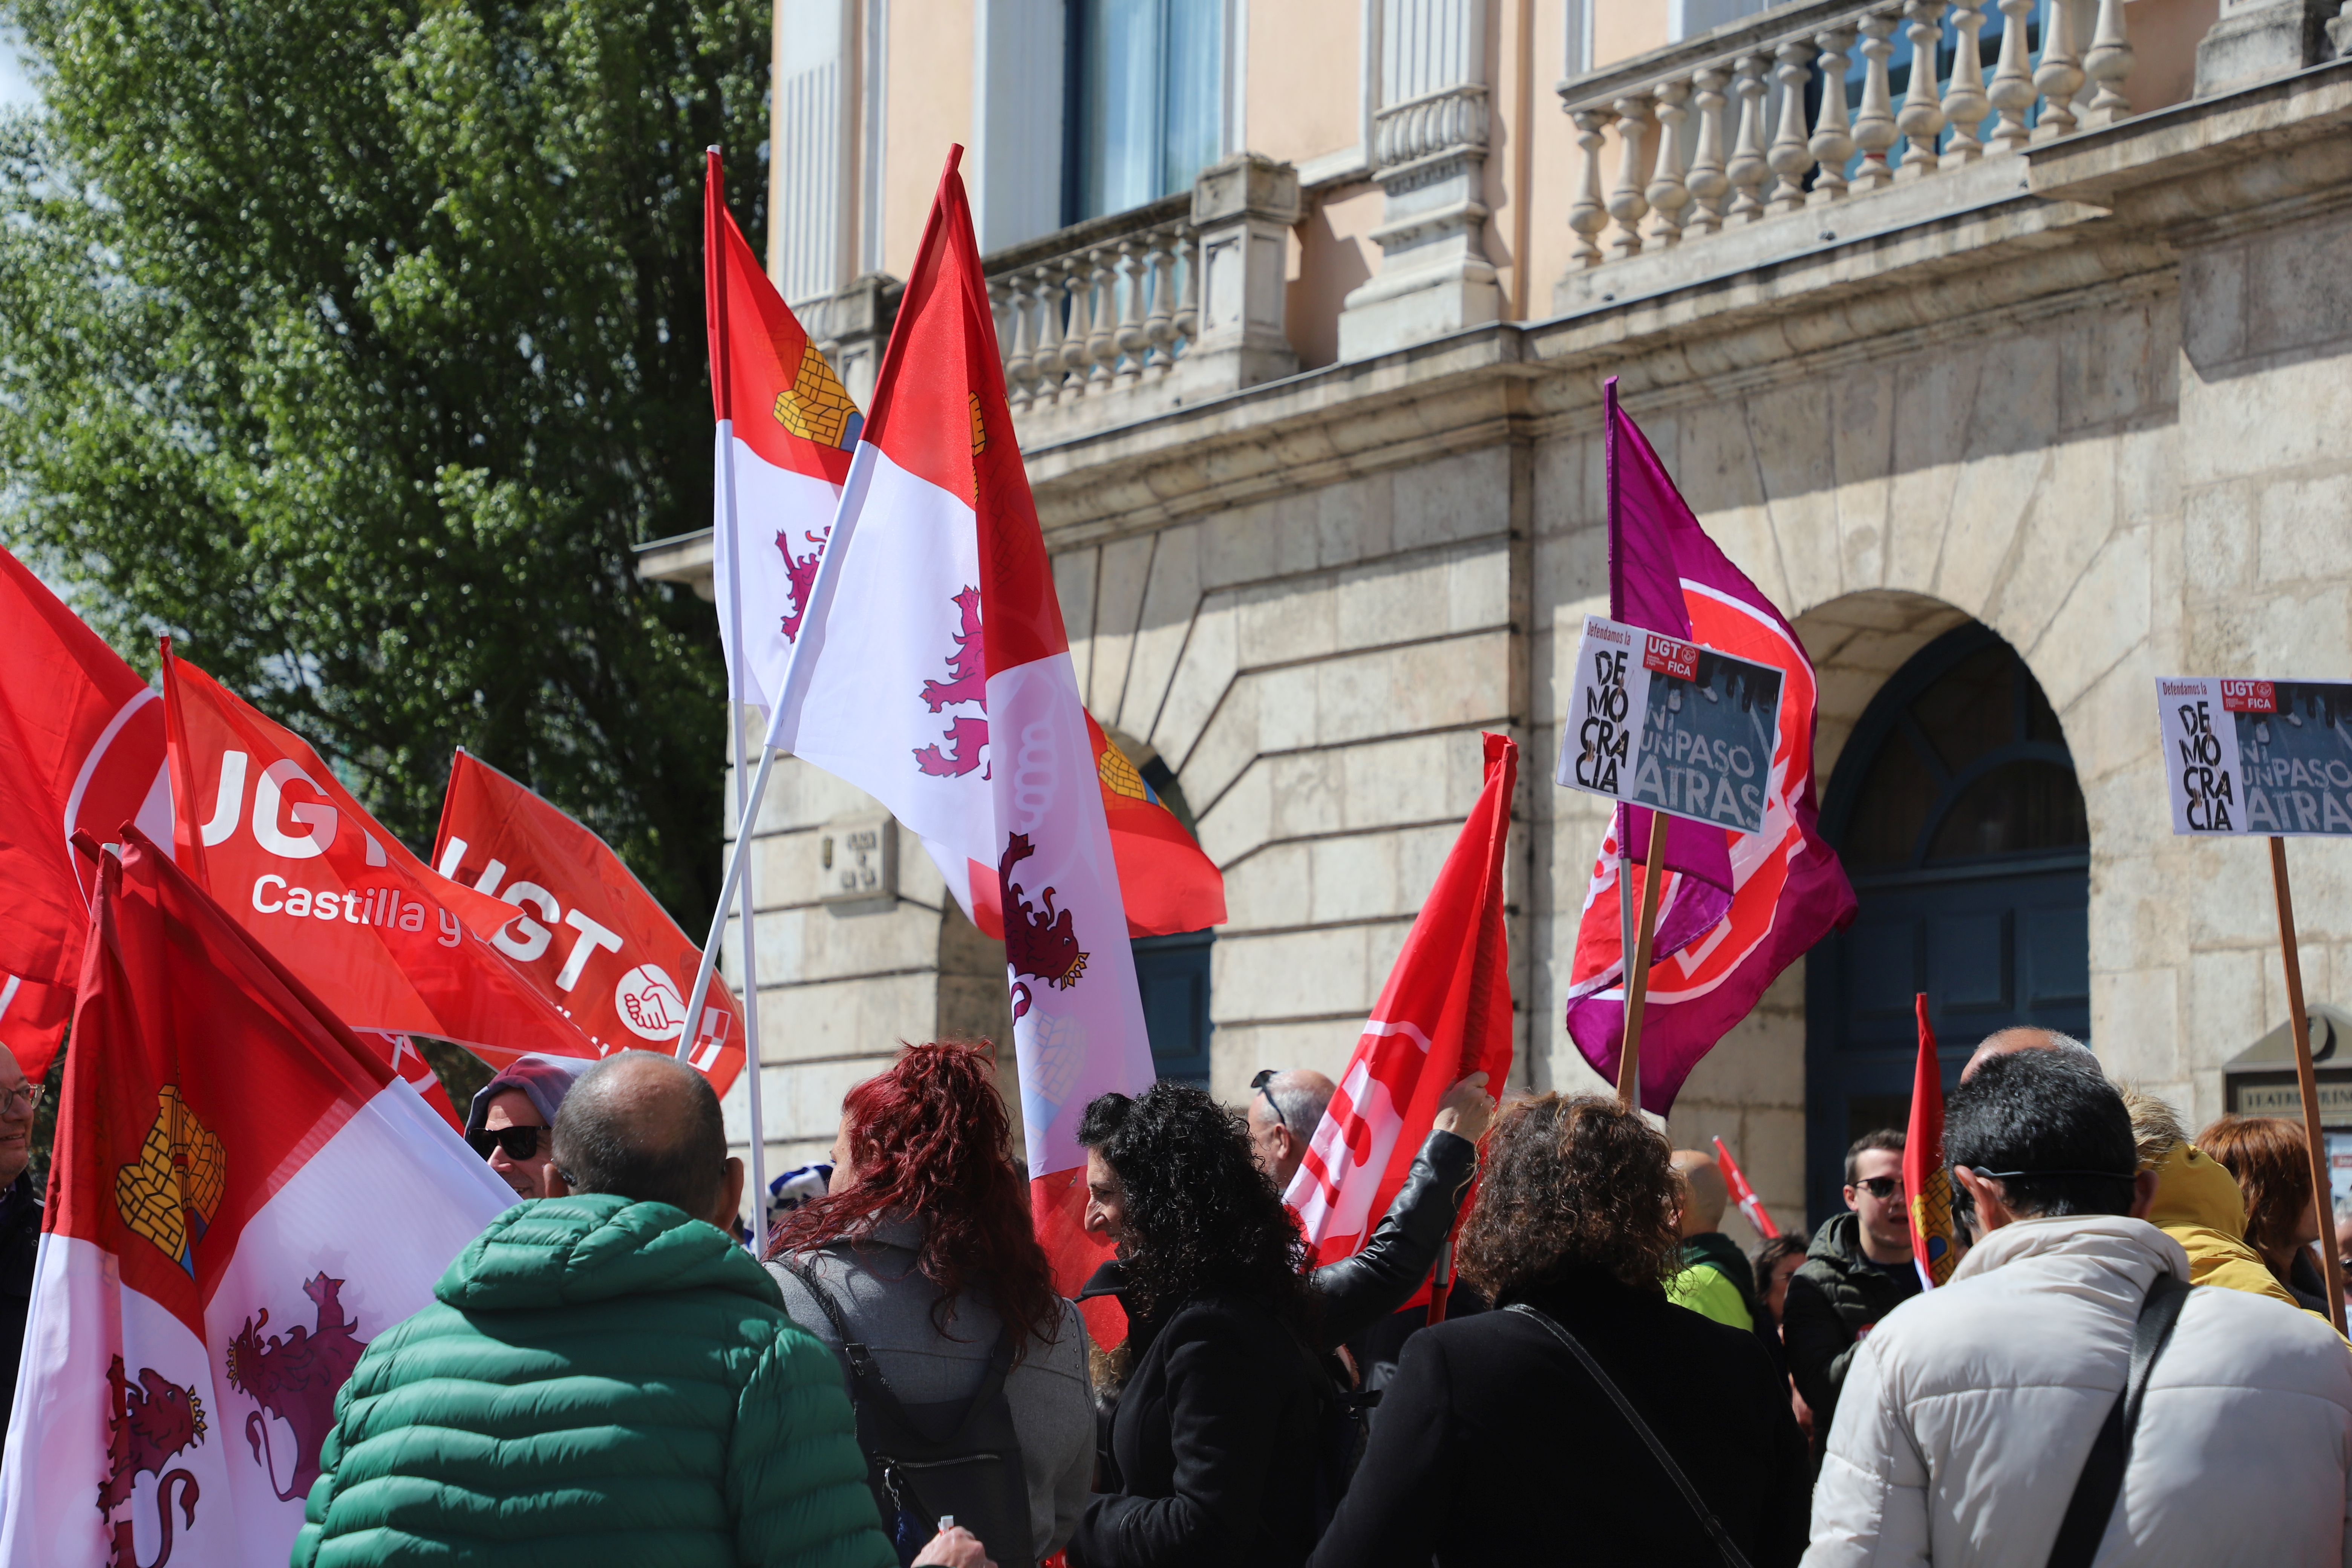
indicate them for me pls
(1736, 908)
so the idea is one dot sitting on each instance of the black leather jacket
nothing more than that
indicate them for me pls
(1360, 1290)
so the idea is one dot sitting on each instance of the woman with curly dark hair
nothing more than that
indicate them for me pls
(1498, 1440)
(1214, 1441)
(922, 1254)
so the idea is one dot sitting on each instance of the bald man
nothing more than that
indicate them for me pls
(1716, 1281)
(20, 1220)
(2025, 1038)
(621, 1330)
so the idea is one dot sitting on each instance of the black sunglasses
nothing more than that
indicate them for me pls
(519, 1143)
(1266, 1076)
(1881, 1187)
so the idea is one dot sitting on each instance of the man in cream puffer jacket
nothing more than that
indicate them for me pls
(1969, 1411)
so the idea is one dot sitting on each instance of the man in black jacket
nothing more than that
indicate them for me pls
(20, 1221)
(1858, 1269)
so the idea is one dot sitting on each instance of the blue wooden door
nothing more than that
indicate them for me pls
(1957, 815)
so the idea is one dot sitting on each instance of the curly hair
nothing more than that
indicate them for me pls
(2271, 1162)
(1199, 1214)
(930, 1138)
(1572, 1184)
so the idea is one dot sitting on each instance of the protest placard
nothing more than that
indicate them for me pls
(2257, 756)
(1675, 726)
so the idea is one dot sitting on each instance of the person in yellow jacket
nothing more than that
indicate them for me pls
(2197, 1204)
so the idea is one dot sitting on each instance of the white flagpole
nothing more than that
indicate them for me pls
(756, 1089)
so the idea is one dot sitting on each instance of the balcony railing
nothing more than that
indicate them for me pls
(1716, 133)
(1101, 307)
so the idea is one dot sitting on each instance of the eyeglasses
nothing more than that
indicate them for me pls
(27, 1096)
(1881, 1187)
(1266, 1076)
(519, 1143)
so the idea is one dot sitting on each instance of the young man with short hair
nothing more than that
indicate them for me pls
(1857, 1270)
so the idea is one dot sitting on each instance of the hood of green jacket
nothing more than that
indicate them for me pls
(561, 1252)
(1721, 1253)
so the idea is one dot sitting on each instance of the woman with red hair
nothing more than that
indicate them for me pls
(2271, 1162)
(920, 1269)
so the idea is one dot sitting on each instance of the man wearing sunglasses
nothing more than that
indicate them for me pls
(1857, 1270)
(511, 1121)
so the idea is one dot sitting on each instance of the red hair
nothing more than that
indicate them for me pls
(932, 1141)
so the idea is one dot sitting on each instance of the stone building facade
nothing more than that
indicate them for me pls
(2011, 407)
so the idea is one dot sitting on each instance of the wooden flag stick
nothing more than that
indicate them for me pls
(1637, 975)
(2307, 1083)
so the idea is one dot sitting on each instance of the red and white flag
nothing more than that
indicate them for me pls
(591, 938)
(933, 672)
(242, 1197)
(264, 827)
(83, 739)
(786, 429)
(1743, 1194)
(1444, 1013)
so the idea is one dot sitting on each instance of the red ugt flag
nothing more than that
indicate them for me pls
(263, 825)
(83, 739)
(1926, 1184)
(1737, 908)
(243, 1196)
(932, 671)
(1743, 1194)
(591, 938)
(1444, 1013)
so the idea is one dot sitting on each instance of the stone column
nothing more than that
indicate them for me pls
(1428, 155)
(1241, 210)
(2256, 40)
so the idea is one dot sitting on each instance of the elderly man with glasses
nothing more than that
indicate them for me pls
(1361, 1291)
(511, 1121)
(20, 1220)
(1857, 1270)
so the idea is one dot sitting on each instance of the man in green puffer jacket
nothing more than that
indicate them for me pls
(604, 1380)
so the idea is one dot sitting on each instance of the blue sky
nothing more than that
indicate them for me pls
(14, 89)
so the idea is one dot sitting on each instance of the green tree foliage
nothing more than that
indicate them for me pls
(355, 342)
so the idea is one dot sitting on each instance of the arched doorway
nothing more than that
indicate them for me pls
(1955, 810)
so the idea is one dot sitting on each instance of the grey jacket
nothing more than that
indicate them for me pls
(889, 1306)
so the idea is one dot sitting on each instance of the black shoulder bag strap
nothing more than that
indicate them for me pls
(867, 1372)
(2102, 1480)
(1732, 1556)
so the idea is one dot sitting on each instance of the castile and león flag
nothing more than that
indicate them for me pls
(244, 1195)
(931, 669)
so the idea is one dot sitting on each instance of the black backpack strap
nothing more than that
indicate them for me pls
(2102, 1480)
(865, 1372)
(1732, 1556)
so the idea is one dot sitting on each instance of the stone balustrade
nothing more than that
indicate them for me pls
(1097, 309)
(1714, 134)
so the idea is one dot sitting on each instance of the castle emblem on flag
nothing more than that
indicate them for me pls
(296, 1377)
(967, 682)
(1039, 944)
(815, 406)
(147, 1423)
(170, 1192)
(1119, 774)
